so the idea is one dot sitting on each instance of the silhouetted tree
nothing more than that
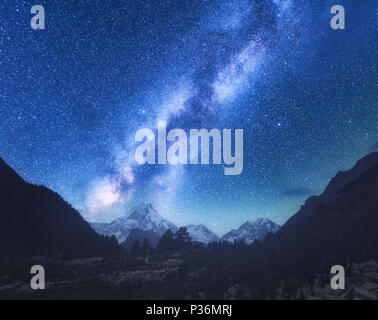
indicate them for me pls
(183, 238)
(136, 248)
(166, 242)
(146, 247)
(113, 241)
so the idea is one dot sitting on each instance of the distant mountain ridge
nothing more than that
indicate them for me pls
(146, 218)
(201, 233)
(252, 230)
(37, 221)
(143, 217)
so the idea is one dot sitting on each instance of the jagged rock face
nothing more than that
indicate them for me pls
(144, 218)
(200, 233)
(252, 230)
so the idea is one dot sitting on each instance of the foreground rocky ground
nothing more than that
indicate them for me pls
(361, 284)
(165, 277)
(128, 278)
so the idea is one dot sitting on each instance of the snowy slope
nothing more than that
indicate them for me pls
(252, 230)
(201, 233)
(143, 217)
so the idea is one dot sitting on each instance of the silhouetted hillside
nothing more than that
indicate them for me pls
(37, 221)
(342, 229)
(338, 182)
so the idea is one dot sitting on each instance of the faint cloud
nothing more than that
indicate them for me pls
(297, 192)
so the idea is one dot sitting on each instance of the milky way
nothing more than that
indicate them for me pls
(73, 96)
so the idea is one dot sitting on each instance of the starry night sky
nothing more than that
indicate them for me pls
(72, 97)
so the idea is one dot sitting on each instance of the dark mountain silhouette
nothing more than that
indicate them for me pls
(140, 235)
(342, 225)
(336, 184)
(37, 221)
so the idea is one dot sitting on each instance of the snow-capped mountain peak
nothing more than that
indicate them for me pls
(143, 217)
(252, 230)
(201, 233)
